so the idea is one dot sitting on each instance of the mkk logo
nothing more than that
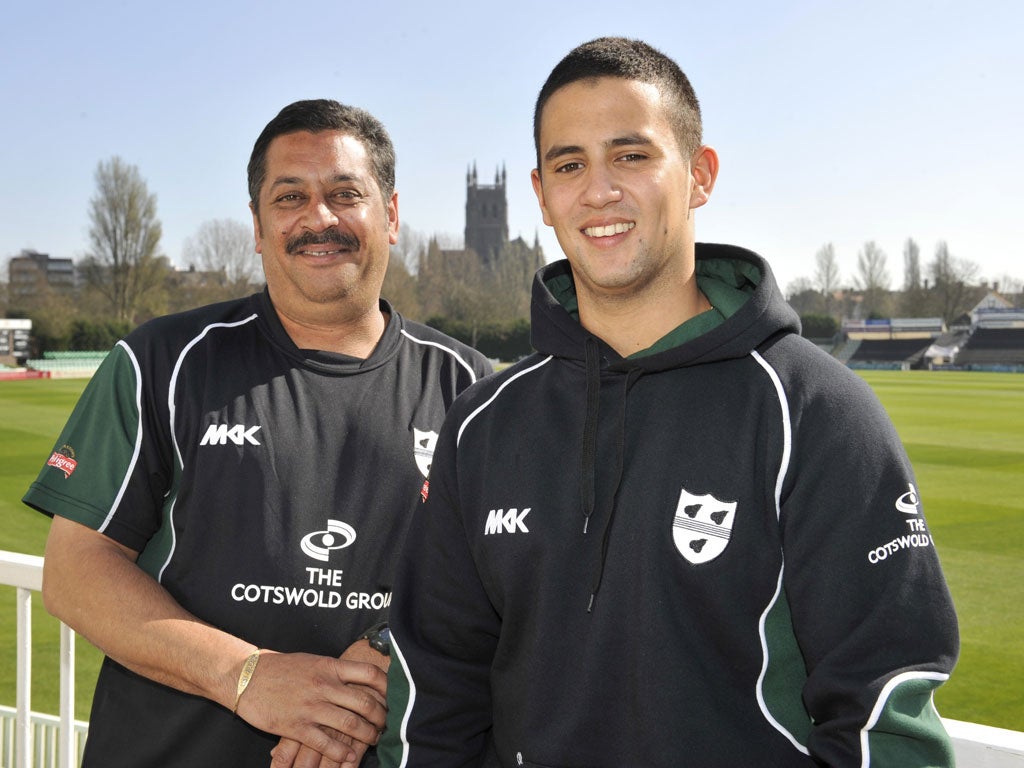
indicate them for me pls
(423, 449)
(239, 434)
(702, 526)
(500, 521)
(319, 544)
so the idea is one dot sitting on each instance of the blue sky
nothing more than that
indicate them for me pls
(835, 122)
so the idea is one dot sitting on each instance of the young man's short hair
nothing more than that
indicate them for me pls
(629, 60)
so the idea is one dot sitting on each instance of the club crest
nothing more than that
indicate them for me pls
(702, 526)
(423, 449)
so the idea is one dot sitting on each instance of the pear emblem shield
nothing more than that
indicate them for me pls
(423, 449)
(702, 526)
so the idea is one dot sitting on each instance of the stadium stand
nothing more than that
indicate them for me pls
(992, 347)
(945, 348)
(888, 353)
(67, 364)
(846, 350)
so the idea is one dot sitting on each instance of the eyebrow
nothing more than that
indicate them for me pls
(629, 140)
(340, 178)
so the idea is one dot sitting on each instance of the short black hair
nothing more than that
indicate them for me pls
(316, 115)
(630, 60)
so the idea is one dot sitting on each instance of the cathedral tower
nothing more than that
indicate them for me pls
(486, 216)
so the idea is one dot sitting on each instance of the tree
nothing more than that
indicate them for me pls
(508, 280)
(123, 264)
(826, 275)
(226, 246)
(951, 283)
(400, 288)
(452, 284)
(803, 296)
(409, 248)
(914, 301)
(911, 265)
(818, 326)
(873, 279)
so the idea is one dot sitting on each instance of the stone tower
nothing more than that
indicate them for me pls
(486, 216)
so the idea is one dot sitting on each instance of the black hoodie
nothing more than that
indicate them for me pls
(712, 555)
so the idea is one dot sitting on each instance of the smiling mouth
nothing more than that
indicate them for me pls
(610, 229)
(310, 244)
(316, 252)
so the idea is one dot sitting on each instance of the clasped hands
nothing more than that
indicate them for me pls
(328, 720)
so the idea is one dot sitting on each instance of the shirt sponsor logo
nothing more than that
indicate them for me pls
(64, 460)
(917, 535)
(909, 503)
(323, 587)
(423, 449)
(702, 526)
(512, 521)
(239, 434)
(319, 544)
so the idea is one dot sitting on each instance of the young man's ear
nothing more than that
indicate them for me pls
(538, 190)
(704, 170)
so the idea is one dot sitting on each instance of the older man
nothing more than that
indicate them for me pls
(230, 491)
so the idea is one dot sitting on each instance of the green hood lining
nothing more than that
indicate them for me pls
(728, 284)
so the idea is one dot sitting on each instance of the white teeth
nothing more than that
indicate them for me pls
(611, 229)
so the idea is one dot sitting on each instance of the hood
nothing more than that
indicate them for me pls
(556, 330)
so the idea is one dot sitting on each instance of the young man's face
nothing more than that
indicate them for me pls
(323, 227)
(616, 188)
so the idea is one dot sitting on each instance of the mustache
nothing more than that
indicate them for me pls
(331, 236)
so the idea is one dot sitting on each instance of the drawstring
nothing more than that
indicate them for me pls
(588, 473)
(589, 452)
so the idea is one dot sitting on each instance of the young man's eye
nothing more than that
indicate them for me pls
(569, 167)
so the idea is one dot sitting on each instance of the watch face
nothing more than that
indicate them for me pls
(380, 640)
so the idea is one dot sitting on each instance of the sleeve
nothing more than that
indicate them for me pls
(444, 632)
(104, 471)
(483, 367)
(870, 609)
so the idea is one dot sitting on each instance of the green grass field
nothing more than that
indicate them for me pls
(963, 431)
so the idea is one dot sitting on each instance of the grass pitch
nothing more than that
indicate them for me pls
(964, 433)
(31, 416)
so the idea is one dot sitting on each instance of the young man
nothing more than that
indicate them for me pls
(229, 494)
(679, 535)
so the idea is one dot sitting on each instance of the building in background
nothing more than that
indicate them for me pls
(31, 274)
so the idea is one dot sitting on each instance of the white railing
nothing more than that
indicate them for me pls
(45, 739)
(25, 573)
(58, 741)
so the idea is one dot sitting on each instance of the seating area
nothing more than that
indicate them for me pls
(67, 364)
(993, 347)
(889, 352)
